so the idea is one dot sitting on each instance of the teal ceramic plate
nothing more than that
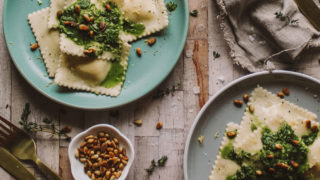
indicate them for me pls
(214, 116)
(143, 75)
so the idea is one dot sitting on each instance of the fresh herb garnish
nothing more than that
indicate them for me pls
(194, 13)
(87, 27)
(49, 127)
(171, 6)
(167, 91)
(151, 168)
(216, 54)
(133, 28)
(308, 139)
(161, 163)
(294, 21)
(283, 156)
(279, 15)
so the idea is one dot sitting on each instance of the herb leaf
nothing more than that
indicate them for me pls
(216, 54)
(171, 6)
(48, 127)
(194, 13)
(162, 161)
(167, 91)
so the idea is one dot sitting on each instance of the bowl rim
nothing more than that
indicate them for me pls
(221, 91)
(84, 133)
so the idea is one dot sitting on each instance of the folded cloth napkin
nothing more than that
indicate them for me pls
(267, 34)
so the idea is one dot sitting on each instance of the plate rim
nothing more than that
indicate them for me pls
(176, 57)
(221, 91)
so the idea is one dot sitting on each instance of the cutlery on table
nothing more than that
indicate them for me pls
(13, 166)
(21, 145)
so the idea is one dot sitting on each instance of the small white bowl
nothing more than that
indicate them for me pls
(77, 167)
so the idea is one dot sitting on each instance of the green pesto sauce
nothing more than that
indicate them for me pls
(133, 28)
(104, 39)
(308, 139)
(115, 75)
(253, 127)
(251, 163)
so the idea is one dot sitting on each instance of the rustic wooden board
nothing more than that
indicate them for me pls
(198, 72)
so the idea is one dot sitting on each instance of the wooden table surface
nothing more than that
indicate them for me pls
(199, 74)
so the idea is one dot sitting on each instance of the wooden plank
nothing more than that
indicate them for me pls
(171, 144)
(200, 60)
(221, 70)
(198, 27)
(190, 98)
(147, 149)
(65, 169)
(70, 117)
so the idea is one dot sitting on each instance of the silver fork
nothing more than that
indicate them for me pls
(21, 145)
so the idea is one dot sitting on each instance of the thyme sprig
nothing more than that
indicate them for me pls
(48, 125)
(160, 163)
(279, 15)
(167, 91)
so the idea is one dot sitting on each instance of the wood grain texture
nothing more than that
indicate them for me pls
(199, 73)
(198, 27)
(5, 84)
(200, 60)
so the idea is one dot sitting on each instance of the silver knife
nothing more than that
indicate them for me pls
(13, 166)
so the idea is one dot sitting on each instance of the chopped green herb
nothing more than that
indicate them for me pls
(167, 91)
(279, 15)
(216, 54)
(49, 127)
(310, 138)
(171, 6)
(103, 39)
(161, 163)
(289, 162)
(194, 13)
(151, 168)
(253, 127)
(294, 21)
(133, 28)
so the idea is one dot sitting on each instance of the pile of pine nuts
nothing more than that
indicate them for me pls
(102, 157)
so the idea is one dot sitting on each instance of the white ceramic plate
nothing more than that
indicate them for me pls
(219, 110)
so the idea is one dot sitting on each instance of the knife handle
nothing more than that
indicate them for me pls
(46, 170)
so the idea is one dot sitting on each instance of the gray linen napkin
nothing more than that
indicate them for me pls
(266, 34)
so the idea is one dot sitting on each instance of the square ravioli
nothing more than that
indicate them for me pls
(55, 7)
(151, 13)
(94, 75)
(48, 40)
(98, 26)
(88, 31)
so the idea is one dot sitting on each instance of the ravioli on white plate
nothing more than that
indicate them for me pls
(276, 139)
